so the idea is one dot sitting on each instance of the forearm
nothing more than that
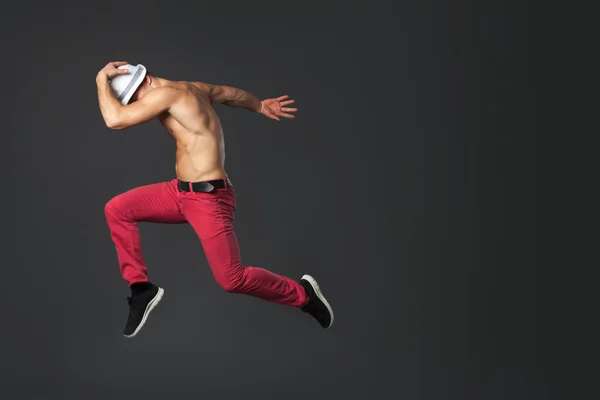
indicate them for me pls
(109, 105)
(235, 97)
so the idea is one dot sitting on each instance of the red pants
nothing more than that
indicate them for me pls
(211, 215)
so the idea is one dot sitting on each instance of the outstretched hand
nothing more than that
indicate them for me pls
(275, 108)
(111, 69)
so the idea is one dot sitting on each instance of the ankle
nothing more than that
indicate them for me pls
(139, 287)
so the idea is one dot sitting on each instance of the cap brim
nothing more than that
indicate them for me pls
(139, 76)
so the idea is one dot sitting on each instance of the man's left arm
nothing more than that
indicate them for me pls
(234, 97)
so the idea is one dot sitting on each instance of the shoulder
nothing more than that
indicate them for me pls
(167, 91)
(164, 94)
(202, 86)
(199, 85)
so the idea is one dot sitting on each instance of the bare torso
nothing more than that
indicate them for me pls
(196, 128)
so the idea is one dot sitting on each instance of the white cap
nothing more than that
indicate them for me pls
(125, 85)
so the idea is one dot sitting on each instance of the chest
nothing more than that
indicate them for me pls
(170, 124)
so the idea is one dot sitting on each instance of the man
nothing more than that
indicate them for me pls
(202, 195)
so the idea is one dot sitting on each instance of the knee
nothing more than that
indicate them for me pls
(114, 209)
(232, 283)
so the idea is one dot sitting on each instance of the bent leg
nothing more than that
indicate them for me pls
(211, 216)
(152, 203)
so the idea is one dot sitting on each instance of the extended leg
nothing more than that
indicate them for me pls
(211, 216)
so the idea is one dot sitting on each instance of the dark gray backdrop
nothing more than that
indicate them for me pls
(406, 186)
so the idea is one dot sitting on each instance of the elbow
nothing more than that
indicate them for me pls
(114, 124)
(114, 127)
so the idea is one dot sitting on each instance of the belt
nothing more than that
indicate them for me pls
(204, 186)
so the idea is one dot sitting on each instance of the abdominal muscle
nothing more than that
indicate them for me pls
(199, 158)
(200, 147)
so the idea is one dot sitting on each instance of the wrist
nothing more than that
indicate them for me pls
(261, 107)
(101, 77)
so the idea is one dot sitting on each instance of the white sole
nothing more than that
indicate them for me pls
(317, 289)
(151, 305)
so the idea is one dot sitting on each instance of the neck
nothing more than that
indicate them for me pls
(158, 82)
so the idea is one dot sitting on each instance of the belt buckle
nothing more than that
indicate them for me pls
(209, 187)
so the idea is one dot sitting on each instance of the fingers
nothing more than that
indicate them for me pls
(111, 74)
(285, 110)
(275, 111)
(269, 114)
(118, 63)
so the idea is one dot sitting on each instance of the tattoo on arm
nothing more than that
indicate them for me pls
(234, 97)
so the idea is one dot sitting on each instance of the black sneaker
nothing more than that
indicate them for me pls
(318, 307)
(140, 306)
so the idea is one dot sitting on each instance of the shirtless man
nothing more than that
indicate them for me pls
(202, 195)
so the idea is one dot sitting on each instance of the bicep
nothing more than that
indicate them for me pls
(150, 106)
(217, 94)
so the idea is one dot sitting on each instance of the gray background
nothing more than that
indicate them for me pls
(406, 186)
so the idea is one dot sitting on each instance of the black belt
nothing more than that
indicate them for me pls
(204, 186)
